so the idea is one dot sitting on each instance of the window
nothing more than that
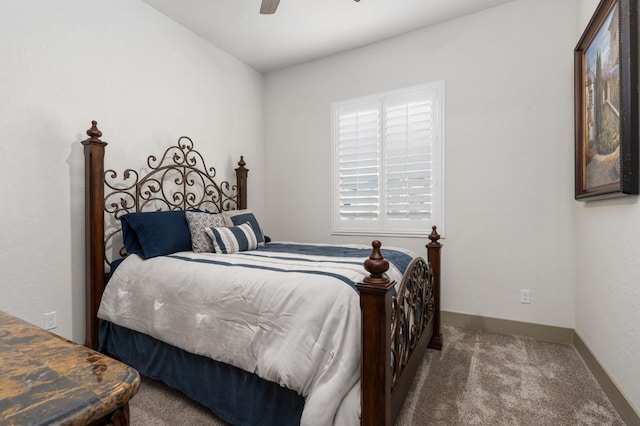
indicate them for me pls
(388, 160)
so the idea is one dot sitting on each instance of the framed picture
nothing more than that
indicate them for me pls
(606, 103)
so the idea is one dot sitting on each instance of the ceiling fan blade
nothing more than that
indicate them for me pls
(269, 6)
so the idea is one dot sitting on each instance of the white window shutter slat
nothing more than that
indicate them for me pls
(387, 161)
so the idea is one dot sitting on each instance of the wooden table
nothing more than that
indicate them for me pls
(46, 379)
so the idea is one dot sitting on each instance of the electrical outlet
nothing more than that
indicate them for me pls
(50, 320)
(525, 296)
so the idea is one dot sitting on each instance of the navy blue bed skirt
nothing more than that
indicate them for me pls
(234, 395)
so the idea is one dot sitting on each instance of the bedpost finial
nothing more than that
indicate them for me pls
(94, 132)
(434, 236)
(376, 265)
(94, 136)
(241, 163)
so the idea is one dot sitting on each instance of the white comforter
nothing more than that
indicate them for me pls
(278, 318)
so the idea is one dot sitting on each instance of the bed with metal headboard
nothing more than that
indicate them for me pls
(397, 320)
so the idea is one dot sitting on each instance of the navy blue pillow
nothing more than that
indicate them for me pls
(238, 217)
(151, 234)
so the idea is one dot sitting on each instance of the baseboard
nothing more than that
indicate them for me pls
(497, 325)
(617, 398)
(553, 334)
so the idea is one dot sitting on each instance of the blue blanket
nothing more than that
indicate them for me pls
(399, 259)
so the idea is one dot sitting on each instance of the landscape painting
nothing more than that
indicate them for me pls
(606, 102)
(602, 86)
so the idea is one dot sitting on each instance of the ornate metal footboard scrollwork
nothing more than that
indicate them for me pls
(397, 329)
(412, 308)
(178, 180)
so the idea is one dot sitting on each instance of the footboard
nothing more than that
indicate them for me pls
(396, 330)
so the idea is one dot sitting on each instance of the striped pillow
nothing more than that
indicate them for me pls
(233, 239)
(238, 217)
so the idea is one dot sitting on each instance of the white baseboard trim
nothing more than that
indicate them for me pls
(553, 334)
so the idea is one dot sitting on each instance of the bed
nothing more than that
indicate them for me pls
(332, 334)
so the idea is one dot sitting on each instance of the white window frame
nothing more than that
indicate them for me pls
(383, 226)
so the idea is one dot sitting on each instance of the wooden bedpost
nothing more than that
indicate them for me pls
(433, 253)
(241, 178)
(94, 229)
(375, 303)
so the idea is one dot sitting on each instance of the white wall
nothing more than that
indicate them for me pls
(147, 81)
(511, 220)
(509, 151)
(608, 276)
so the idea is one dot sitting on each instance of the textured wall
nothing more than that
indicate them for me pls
(608, 276)
(509, 151)
(147, 81)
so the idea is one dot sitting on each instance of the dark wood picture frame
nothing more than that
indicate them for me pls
(606, 103)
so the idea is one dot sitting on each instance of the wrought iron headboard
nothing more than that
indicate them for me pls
(178, 180)
(181, 165)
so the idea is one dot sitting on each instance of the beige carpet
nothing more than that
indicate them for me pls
(478, 379)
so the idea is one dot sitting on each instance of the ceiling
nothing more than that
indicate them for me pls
(302, 30)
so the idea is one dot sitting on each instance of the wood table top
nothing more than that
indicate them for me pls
(46, 379)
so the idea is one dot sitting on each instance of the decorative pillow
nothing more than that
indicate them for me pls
(198, 221)
(233, 239)
(238, 217)
(151, 234)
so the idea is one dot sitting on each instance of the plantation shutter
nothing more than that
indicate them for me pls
(408, 139)
(388, 162)
(359, 162)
